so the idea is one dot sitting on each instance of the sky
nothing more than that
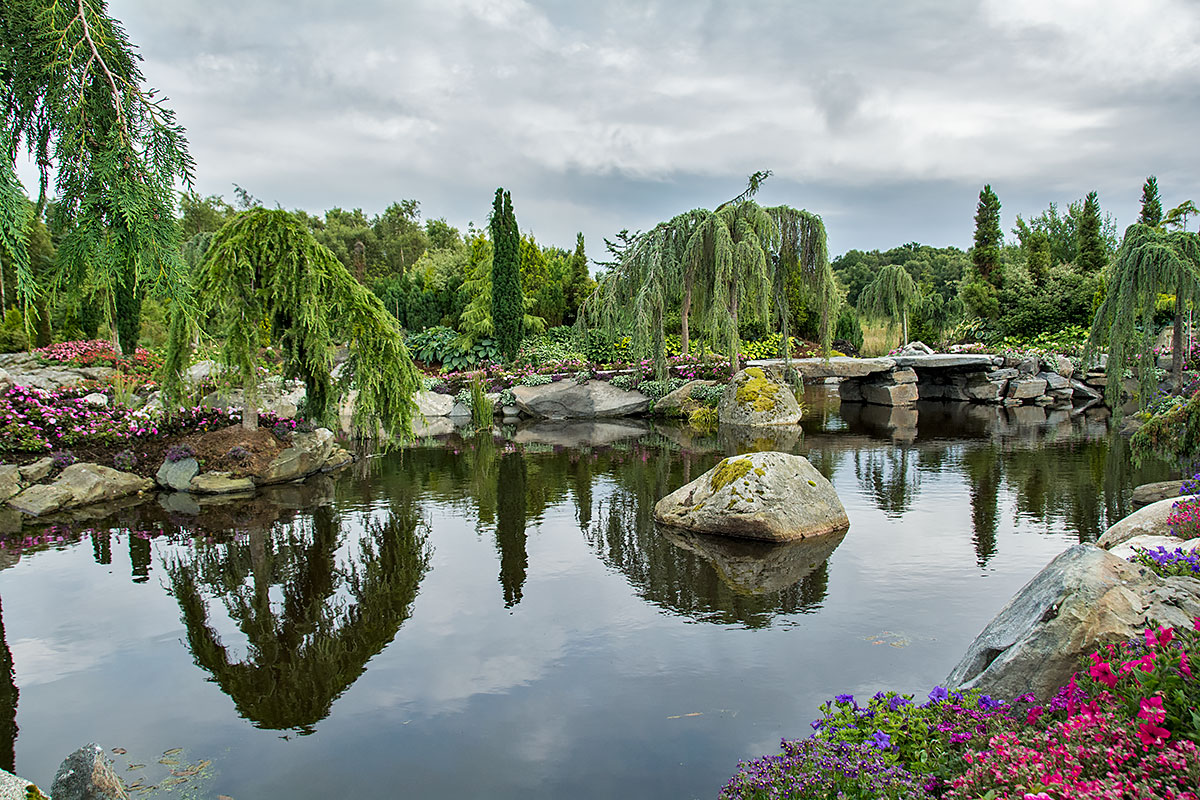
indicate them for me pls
(886, 118)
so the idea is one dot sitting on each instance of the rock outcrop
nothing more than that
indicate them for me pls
(1084, 599)
(754, 397)
(1149, 520)
(775, 497)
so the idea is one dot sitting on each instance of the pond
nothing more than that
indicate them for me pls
(498, 617)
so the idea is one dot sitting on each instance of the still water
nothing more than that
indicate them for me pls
(495, 617)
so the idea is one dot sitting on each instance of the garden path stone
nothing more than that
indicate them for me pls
(1148, 520)
(177, 475)
(755, 397)
(571, 400)
(96, 400)
(1084, 599)
(772, 496)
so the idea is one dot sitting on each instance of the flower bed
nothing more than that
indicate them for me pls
(1127, 725)
(100, 353)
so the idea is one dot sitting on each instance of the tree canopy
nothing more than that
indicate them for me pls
(889, 297)
(714, 264)
(73, 98)
(265, 274)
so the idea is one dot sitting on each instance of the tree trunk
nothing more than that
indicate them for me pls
(1177, 353)
(250, 402)
(683, 314)
(734, 359)
(903, 327)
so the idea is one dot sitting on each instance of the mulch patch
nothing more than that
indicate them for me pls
(212, 451)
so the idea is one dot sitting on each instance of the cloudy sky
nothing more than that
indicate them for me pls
(884, 117)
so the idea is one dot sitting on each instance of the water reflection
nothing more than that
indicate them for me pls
(8, 704)
(757, 568)
(315, 596)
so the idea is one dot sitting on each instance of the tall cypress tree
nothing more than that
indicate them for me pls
(1152, 209)
(1093, 256)
(508, 308)
(988, 237)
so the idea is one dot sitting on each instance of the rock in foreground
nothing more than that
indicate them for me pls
(775, 497)
(1082, 600)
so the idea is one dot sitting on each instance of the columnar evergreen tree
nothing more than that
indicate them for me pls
(889, 297)
(581, 284)
(263, 272)
(508, 308)
(988, 237)
(1150, 261)
(71, 90)
(714, 264)
(1092, 256)
(1152, 209)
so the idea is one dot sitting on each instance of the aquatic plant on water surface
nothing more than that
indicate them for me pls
(1126, 725)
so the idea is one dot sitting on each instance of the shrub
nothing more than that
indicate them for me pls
(848, 329)
(703, 418)
(100, 353)
(626, 382)
(534, 380)
(178, 452)
(483, 408)
(657, 390)
(283, 430)
(125, 460)
(818, 769)
(12, 332)
(708, 395)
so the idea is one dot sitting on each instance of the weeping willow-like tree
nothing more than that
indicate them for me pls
(1150, 261)
(889, 297)
(71, 90)
(714, 265)
(264, 275)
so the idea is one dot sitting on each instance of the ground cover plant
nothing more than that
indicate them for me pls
(1126, 725)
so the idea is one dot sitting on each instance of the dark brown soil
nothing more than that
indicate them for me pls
(212, 451)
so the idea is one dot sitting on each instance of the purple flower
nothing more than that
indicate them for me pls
(844, 698)
(880, 741)
(987, 703)
(896, 702)
(938, 695)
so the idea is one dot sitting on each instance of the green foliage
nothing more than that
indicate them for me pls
(1093, 255)
(889, 297)
(71, 87)
(12, 332)
(1063, 298)
(1177, 217)
(202, 214)
(932, 316)
(507, 300)
(703, 418)
(658, 389)
(264, 266)
(848, 329)
(935, 269)
(988, 238)
(1173, 436)
(626, 382)
(708, 396)
(716, 266)
(980, 298)
(1062, 232)
(483, 408)
(1152, 210)
(380, 247)
(770, 347)
(1149, 262)
(1069, 341)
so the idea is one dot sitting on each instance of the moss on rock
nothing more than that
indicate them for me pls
(728, 471)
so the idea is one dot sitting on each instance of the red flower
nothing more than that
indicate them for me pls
(1152, 710)
(1102, 672)
(1153, 735)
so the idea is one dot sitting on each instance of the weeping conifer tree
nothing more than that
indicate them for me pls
(1150, 261)
(714, 265)
(889, 297)
(264, 272)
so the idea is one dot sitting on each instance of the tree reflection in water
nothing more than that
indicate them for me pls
(344, 592)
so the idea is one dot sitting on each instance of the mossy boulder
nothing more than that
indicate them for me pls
(755, 397)
(771, 496)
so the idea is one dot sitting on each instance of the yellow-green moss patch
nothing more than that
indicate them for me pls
(728, 471)
(757, 392)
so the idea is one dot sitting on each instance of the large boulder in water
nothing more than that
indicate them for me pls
(771, 496)
(1148, 520)
(571, 400)
(1084, 599)
(754, 397)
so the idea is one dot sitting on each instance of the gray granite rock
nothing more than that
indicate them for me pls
(10, 481)
(177, 475)
(1026, 387)
(32, 473)
(1126, 548)
(307, 454)
(79, 485)
(570, 400)
(96, 400)
(433, 404)
(1150, 520)
(1149, 493)
(679, 402)
(1084, 599)
(219, 483)
(755, 397)
(771, 496)
(87, 775)
(13, 787)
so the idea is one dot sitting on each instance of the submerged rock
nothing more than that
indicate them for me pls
(753, 397)
(1082, 600)
(771, 496)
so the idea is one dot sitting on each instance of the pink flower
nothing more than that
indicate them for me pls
(1102, 672)
(1152, 710)
(1165, 635)
(1153, 735)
